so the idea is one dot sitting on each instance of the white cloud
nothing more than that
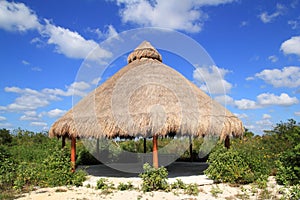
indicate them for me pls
(76, 88)
(264, 122)
(30, 116)
(6, 125)
(224, 99)
(96, 81)
(250, 78)
(287, 77)
(72, 44)
(273, 58)
(179, 15)
(267, 18)
(291, 46)
(241, 116)
(2, 118)
(44, 124)
(266, 116)
(17, 17)
(262, 100)
(56, 113)
(211, 79)
(294, 24)
(24, 62)
(297, 113)
(245, 104)
(30, 99)
(284, 99)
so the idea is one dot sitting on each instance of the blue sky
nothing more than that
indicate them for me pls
(255, 46)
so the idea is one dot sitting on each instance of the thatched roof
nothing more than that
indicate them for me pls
(147, 97)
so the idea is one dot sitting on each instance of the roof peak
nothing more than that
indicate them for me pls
(145, 45)
(144, 50)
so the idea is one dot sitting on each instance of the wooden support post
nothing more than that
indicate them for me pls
(73, 153)
(155, 153)
(191, 148)
(227, 142)
(63, 141)
(97, 149)
(145, 145)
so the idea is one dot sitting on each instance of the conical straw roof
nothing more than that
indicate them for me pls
(144, 98)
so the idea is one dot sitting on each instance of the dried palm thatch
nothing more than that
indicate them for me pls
(147, 98)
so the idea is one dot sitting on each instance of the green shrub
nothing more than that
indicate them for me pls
(231, 166)
(288, 171)
(179, 184)
(288, 165)
(5, 137)
(105, 186)
(56, 170)
(7, 169)
(294, 192)
(191, 189)
(124, 186)
(154, 179)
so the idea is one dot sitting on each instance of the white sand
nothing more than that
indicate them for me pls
(206, 188)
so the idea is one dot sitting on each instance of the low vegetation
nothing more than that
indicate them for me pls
(28, 160)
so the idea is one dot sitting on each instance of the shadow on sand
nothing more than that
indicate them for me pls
(175, 169)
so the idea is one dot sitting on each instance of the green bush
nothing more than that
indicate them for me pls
(56, 170)
(288, 165)
(288, 171)
(125, 186)
(228, 166)
(5, 137)
(191, 189)
(294, 192)
(154, 179)
(105, 186)
(7, 169)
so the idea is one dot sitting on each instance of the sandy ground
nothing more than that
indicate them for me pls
(208, 190)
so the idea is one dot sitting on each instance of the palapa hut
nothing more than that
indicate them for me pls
(146, 98)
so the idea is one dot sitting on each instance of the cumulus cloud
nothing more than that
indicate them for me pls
(297, 113)
(31, 116)
(241, 116)
(264, 122)
(245, 104)
(30, 99)
(273, 58)
(179, 15)
(56, 113)
(17, 17)
(294, 24)
(265, 17)
(109, 32)
(2, 118)
(283, 99)
(266, 116)
(262, 100)
(212, 79)
(286, 77)
(44, 124)
(291, 46)
(5, 125)
(72, 44)
(76, 88)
